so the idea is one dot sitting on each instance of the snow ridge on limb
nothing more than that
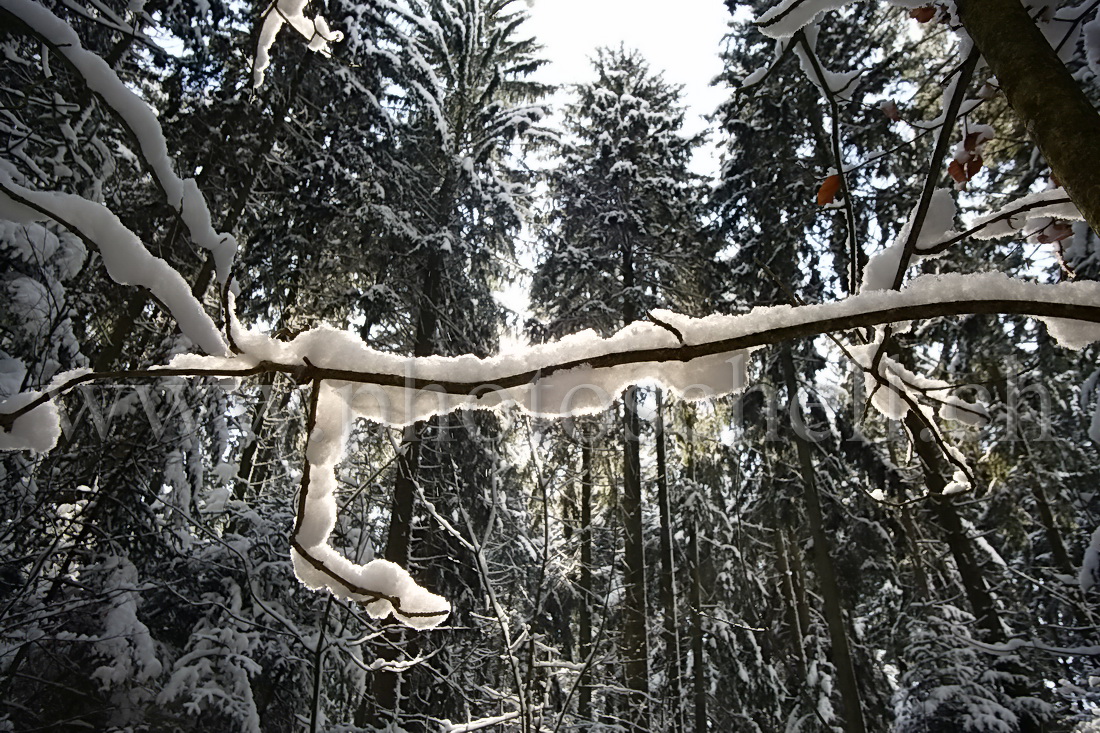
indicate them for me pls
(883, 267)
(383, 587)
(583, 373)
(279, 13)
(183, 195)
(126, 258)
(790, 16)
(1051, 204)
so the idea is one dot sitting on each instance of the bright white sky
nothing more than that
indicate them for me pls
(680, 38)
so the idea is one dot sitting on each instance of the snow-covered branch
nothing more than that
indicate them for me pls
(138, 118)
(126, 258)
(584, 373)
(280, 12)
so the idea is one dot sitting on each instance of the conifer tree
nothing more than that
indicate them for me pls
(622, 239)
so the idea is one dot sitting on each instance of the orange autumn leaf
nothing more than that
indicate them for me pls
(973, 166)
(828, 190)
(923, 14)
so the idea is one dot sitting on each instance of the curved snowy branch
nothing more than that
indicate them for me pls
(583, 373)
(381, 586)
(126, 258)
(695, 358)
(138, 118)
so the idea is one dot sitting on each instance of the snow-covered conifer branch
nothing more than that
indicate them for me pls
(137, 118)
(280, 12)
(126, 258)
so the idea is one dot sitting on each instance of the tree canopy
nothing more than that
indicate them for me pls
(807, 445)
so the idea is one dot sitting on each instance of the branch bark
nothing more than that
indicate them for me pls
(1042, 92)
(826, 321)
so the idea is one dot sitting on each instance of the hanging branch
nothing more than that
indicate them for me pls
(854, 268)
(935, 162)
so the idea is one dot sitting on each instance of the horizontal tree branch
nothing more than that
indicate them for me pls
(1050, 301)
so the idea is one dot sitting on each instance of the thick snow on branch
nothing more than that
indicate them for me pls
(139, 118)
(695, 358)
(584, 373)
(1051, 204)
(280, 12)
(831, 83)
(479, 724)
(36, 431)
(883, 266)
(126, 258)
(790, 16)
(382, 586)
(692, 357)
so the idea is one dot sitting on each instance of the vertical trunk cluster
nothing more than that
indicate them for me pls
(823, 562)
(673, 663)
(635, 647)
(584, 700)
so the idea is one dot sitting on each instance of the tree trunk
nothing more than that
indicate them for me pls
(385, 683)
(698, 669)
(826, 574)
(695, 597)
(786, 583)
(635, 644)
(1039, 88)
(970, 573)
(674, 691)
(1058, 553)
(924, 587)
(584, 703)
(635, 647)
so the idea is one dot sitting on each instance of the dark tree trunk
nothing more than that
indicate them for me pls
(674, 693)
(970, 573)
(786, 583)
(635, 622)
(385, 683)
(823, 563)
(1039, 88)
(584, 702)
(699, 673)
(635, 649)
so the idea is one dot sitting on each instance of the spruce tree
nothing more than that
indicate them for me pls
(622, 239)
